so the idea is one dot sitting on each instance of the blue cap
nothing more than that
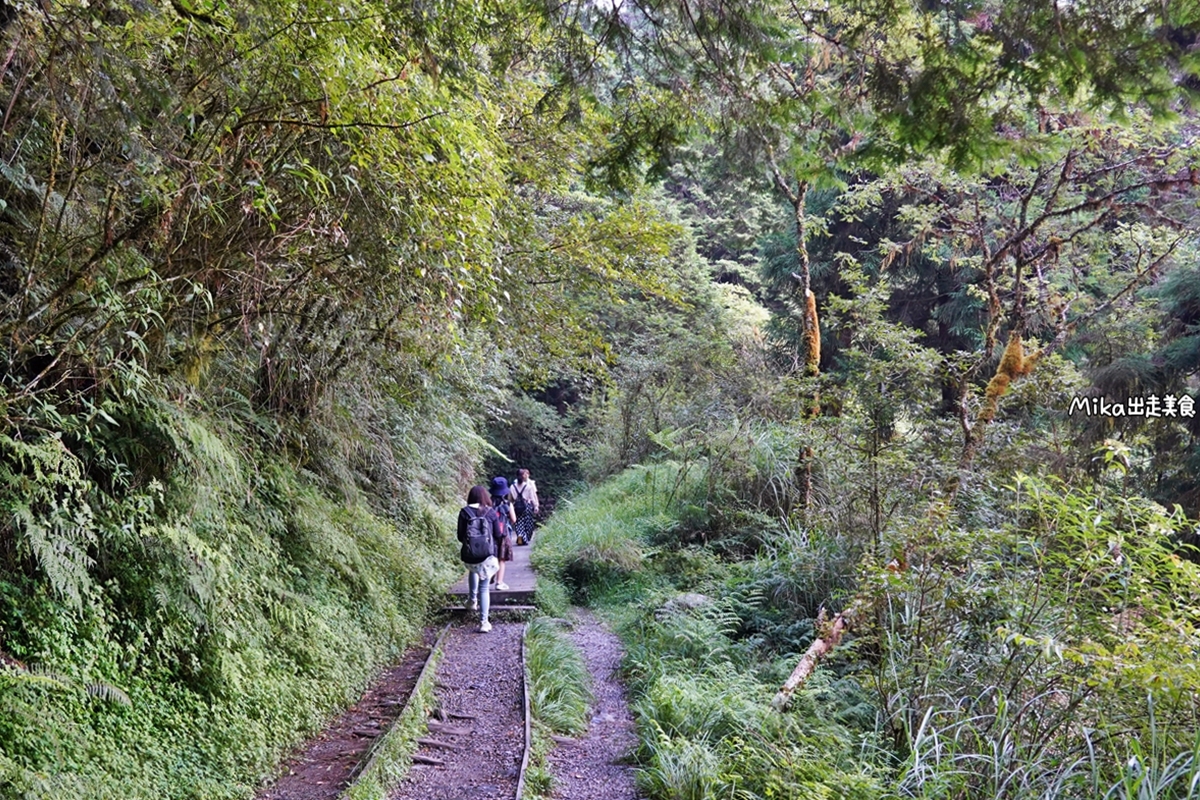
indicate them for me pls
(499, 486)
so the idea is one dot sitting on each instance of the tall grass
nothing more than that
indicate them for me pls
(706, 727)
(559, 691)
(559, 695)
(956, 755)
(1051, 657)
(597, 542)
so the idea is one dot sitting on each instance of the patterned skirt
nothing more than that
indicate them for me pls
(504, 547)
(525, 528)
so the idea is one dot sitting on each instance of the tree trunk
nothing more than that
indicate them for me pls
(810, 329)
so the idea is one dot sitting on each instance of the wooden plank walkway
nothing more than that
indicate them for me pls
(522, 583)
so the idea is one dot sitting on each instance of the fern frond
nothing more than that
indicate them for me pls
(107, 692)
(43, 503)
(36, 675)
(39, 675)
(63, 561)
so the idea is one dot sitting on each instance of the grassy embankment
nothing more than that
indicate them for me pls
(559, 696)
(232, 595)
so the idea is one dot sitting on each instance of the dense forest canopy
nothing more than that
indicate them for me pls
(888, 309)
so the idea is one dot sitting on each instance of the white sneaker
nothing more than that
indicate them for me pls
(473, 605)
(502, 587)
(485, 626)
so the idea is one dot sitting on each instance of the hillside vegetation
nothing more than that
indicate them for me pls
(886, 311)
(1013, 657)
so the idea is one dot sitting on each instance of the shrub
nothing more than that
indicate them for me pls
(1017, 661)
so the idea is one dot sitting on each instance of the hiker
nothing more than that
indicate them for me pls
(507, 517)
(477, 524)
(525, 503)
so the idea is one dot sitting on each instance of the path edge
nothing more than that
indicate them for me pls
(389, 759)
(528, 716)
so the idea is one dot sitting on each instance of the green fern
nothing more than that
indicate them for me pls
(44, 504)
(37, 675)
(107, 692)
(43, 677)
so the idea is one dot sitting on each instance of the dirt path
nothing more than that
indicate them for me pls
(479, 688)
(323, 766)
(592, 768)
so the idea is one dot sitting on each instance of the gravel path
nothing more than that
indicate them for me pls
(591, 768)
(479, 689)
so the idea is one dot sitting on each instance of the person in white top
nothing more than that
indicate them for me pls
(525, 502)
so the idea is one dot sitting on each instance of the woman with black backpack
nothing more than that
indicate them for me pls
(477, 526)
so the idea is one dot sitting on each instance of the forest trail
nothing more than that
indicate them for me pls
(594, 767)
(519, 577)
(475, 743)
(479, 689)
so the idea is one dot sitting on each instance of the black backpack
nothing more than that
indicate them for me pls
(520, 503)
(478, 545)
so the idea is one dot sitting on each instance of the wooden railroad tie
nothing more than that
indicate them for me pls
(449, 730)
(443, 745)
(430, 760)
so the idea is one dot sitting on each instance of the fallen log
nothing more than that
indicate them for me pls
(829, 639)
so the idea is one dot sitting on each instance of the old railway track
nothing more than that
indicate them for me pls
(471, 732)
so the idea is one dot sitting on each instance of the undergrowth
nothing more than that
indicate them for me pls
(230, 600)
(559, 692)
(1049, 656)
(700, 683)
